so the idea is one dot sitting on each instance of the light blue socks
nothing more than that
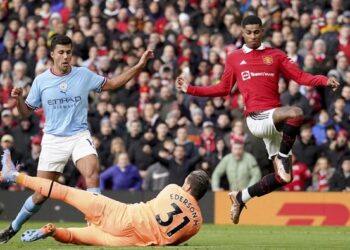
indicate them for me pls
(28, 210)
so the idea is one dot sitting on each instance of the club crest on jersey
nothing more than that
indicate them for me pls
(267, 60)
(63, 87)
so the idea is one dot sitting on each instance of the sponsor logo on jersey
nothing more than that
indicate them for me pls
(267, 60)
(246, 75)
(243, 62)
(64, 103)
(63, 87)
(66, 100)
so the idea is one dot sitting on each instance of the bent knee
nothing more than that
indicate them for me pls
(92, 176)
(296, 112)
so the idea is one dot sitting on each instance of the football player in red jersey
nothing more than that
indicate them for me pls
(256, 70)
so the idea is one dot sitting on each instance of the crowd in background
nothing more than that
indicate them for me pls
(147, 134)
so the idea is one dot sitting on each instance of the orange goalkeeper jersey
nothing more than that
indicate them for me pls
(169, 219)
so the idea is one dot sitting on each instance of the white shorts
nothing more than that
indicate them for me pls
(56, 150)
(261, 125)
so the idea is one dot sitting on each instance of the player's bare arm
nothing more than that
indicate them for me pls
(181, 84)
(122, 79)
(333, 83)
(23, 109)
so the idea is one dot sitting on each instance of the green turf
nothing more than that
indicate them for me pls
(224, 237)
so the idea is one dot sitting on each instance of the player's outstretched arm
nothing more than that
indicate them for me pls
(23, 109)
(121, 80)
(292, 71)
(228, 80)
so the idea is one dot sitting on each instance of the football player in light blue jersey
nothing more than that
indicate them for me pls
(62, 91)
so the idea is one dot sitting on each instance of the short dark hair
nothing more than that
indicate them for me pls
(60, 39)
(199, 182)
(251, 20)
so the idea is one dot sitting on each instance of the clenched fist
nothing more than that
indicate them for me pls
(181, 84)
(17, 92)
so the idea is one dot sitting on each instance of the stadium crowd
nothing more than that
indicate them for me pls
(147, 134)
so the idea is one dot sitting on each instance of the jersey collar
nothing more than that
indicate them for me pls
(51, 70)
(246, 50)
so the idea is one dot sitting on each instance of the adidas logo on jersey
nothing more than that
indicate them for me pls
(243, 62)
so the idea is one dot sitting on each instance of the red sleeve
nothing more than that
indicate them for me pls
(228, 79)
(292, 71)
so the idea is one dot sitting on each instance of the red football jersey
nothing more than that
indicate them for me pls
(257, 73)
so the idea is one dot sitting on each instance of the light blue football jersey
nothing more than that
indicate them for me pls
(64, 99)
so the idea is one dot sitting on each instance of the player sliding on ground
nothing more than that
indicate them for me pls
(256, 70)
(169, 219)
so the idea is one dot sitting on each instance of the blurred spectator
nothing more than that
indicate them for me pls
(346, 95)
(319, 129)
(105, 135)
(173, 122)
(314, 99)
(240, 167)
(331, 135)
(182, 139)
(291, 49)
(157, 177)
(112, 8)
(323, 63)
(237, 133)
(305, 48)
(340, 69)
(194, 129)
(305, 23)
(238, 112)
(22, 133)
(209, 112)
(208, 137)
(5, 91)
(122, 175)
(128, 95)
(339, 148)
(223, 127)
(7, 122)
(117, 147)
(330, 32)
(141, 153)
(19, 77)
(150, 117)
(340, 180)
(178, 165)
(336, 111)
(7, 142)
(161, 135)
(305, 149)
(215, 157)
(344, 41)
(165, 101)
(322, 174)
(134, 134)
(31, 160)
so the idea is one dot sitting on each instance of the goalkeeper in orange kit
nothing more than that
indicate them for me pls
(169, 219)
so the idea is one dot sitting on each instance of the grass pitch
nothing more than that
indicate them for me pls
(220, 237)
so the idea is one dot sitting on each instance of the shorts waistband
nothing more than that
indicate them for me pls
(258, 115)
